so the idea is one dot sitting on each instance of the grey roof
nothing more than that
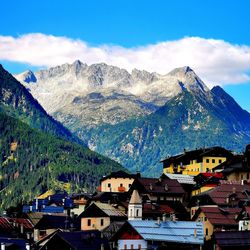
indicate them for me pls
(170, 231)
(181, 178)
(109, 210)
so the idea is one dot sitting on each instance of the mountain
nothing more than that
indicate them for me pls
(79, 95)
(16, 100)
(184, 122)
(32, 162)
(140, 118)
(37, 153)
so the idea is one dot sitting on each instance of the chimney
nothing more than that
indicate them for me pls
(159, 221)
(195, 233)
(2, 246)
(36, 204)
(164, 217)
(27, 246)
(173, 218)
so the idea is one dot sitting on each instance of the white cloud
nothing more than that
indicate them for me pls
(215, 61)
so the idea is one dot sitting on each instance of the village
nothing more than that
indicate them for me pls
(201, 200)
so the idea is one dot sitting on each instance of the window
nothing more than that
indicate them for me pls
(220, 161)
(137, 212)
(102, 222)
(205, 218)
(89, 222)
(206, 231)
(125, 247)
(213, 160)
(248, 176)
(129, 185)
(132, 246)
(139, 246)
(109, 185)
(207, 160)
(121, 185)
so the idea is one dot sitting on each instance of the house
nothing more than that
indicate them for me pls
(151, 234)
(109, 197)
(79, 201)
(227, 194)
(50, 223)
(160, 195)
(216, 219)
(235, 169)
(205, 182)
(24, 227)
(230, 240)
(99, 215)
(187, 182)
(79, 240)
(158, 189)
(119, 181)
(50, 202)
(196, 161)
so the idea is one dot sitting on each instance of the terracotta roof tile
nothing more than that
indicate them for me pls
(5, 224)
(218, 216)
(163, 186)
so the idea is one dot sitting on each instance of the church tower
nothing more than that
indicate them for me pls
(135, 207)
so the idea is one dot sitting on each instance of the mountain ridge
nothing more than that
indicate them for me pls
(18, 102)
(170, 112)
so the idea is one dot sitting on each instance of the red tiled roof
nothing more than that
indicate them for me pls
(153, 185)
(216, 175)
(222, 192)
(5, 224)
(21, 221)
(161, 208)
(218, 216)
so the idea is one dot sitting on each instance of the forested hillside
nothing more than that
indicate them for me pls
(32, 162)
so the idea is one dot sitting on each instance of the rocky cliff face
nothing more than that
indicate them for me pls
(96, 94)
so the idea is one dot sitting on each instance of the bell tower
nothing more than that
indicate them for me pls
(135, 207)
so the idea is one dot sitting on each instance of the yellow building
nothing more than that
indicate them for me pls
(196, 161)
(216, 219)
(119, 181)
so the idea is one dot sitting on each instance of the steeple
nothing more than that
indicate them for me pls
(135, 207)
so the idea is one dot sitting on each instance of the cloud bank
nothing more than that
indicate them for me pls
(217, 62)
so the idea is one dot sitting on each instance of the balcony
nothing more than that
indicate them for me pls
(121, 189)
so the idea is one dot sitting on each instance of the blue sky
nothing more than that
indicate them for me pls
(132, 26)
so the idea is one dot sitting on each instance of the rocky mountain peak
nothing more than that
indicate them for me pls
(181, 71)
(27, 77)
(189, 80)
(143, 76)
